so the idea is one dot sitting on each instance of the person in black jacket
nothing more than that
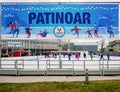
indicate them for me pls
(69, 56)
(84, 55)
(108, 56)
(101, 56)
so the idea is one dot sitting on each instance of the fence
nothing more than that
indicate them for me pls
(52, 67)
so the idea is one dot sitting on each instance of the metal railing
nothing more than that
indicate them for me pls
(73, 65)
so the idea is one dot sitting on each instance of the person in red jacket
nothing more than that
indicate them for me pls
(12, 27)
(76, 29)
(95, 29)
(89, 32)
(28, 31)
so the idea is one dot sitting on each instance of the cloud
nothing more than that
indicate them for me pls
(103, 17)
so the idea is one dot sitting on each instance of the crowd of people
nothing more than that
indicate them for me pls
(82, 56)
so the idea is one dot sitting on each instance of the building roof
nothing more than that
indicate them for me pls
(114, 42)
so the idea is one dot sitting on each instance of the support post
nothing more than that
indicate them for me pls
(29, 47)
(60, 62)
(0, 36)
(86, 76)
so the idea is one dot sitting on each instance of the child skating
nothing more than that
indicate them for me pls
(95, 29)
(89, 33)
(110, 31)
(76, 29)
(28, 31)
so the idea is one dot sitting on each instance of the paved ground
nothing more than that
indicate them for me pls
(29, 79)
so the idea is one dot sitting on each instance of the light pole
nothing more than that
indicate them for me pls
(59, 49)
(102, 45)
(0, 36)
(35, 47)
(29, 47)
(84, 47)
(97, 46)
(68, 46)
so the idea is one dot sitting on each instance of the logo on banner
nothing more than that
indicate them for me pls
(59, 31)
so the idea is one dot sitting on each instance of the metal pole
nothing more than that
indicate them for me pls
(107, 64)
(20, 47)
(86, 76)
(0, 35)
(35, 47)
(59, 48)
(60, 59)
(40, 47)
(29, 46)
(37, 63)
(68, 45)
(84, 64)
(16, 63)
(7, 47)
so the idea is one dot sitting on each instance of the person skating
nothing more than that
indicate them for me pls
(76, 29)
(101, 56)
(110, 31)
(12, 27)
(95, 29)
(108, 56)
(16, 30)
(69, 56)
(28, 31)
(84, 55)
(89, 33)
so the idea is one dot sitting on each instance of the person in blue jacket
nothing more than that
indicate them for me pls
(16, 30)
(110, 31)
(28, 31)
(43, 33)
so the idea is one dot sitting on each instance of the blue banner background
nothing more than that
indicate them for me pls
(102, 14)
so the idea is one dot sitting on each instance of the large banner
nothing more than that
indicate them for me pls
(65, 21)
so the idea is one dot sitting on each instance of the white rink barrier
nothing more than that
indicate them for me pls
(54, 67)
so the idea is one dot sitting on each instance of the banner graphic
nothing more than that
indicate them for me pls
(60, 21)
